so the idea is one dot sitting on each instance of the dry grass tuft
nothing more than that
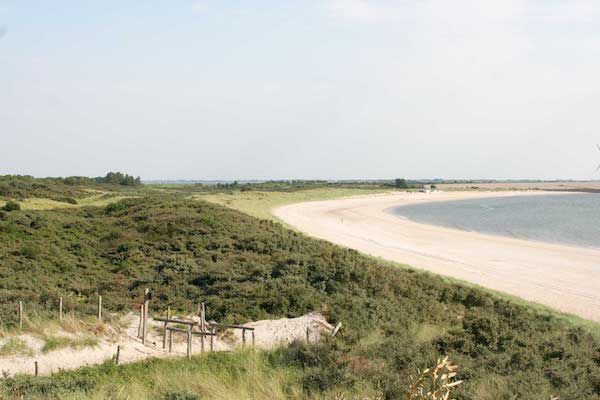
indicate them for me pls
(15, 347)
(434, 383)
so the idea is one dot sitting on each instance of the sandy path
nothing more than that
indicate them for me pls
(268, 334)
(563, 277)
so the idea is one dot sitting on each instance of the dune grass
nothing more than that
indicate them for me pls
(14, 346)
(239, 375)
(259, 204)
(56, 342)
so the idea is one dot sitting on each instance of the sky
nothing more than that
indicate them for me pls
(303, 89)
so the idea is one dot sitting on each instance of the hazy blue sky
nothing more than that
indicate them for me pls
(301, 89)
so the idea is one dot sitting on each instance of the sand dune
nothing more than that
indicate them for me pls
(563, 277)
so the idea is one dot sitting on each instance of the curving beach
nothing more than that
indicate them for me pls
(563, 277)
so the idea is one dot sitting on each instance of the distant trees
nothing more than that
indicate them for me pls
(118, 178)
(400, 183)
(112, 178)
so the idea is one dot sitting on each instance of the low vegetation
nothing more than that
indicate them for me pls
(260, 203)
(15, 346)
(395, 321)
(65, 190)
(11, 206)
(56, 342)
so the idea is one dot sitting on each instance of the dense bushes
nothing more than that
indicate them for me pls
(395, 321)
(11, 206)
(66, 190)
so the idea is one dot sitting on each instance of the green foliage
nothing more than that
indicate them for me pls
(115, 207)
(21, 187)
(68, 200)
(11, 206)
(66, 190)
(118, 178)
(58, 342)
(216, 376)
(395, 320)
(400, 183)
(15, 347)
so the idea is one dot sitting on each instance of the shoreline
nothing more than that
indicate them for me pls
(563, 277)
(390, 210)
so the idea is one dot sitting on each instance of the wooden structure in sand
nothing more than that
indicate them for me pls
(187, 327)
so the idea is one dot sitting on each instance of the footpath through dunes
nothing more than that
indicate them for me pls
(563, 277)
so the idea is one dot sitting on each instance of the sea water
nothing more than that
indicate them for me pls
(572, 219)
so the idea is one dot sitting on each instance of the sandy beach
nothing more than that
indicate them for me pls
(563, 277)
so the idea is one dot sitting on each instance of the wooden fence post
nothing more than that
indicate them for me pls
(203, 318)
(165, 328)
(99, 307)
(60, 308)
(243, 338)
(253, 343)
(118, 354)
(170, 341)
(36, 369)
(146, 303)
(189, 342)
(307, 334)
(20, 314)
(141, 325)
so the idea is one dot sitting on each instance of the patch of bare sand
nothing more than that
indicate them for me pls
(268, 334)
(563, 277)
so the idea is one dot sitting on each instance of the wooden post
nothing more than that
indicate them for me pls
(203, 318)
(60, 308)
(36, 369)
(212, 330)
(146, 303)
(189, 342)
(165, 327)
(20, 314)
(100, 307)
(170, 341)
(141, 325)
(243, 338)
(253, 343)
(307, 334)
(118, 354)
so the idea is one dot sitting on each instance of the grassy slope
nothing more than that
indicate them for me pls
(218, 376)
(259, 203)
(395, 320)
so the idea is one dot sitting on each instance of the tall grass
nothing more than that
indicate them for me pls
(15, 347)
(240, 375)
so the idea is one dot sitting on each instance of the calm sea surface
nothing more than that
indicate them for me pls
(572, 219)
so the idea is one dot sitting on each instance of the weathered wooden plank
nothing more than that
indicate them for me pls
(218, 325)
(197, 333)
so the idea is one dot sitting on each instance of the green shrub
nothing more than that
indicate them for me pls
(115, 207)
(181, 396)
(11, 206)
(68, 200)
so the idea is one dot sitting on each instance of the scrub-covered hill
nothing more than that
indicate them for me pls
(394, 320)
